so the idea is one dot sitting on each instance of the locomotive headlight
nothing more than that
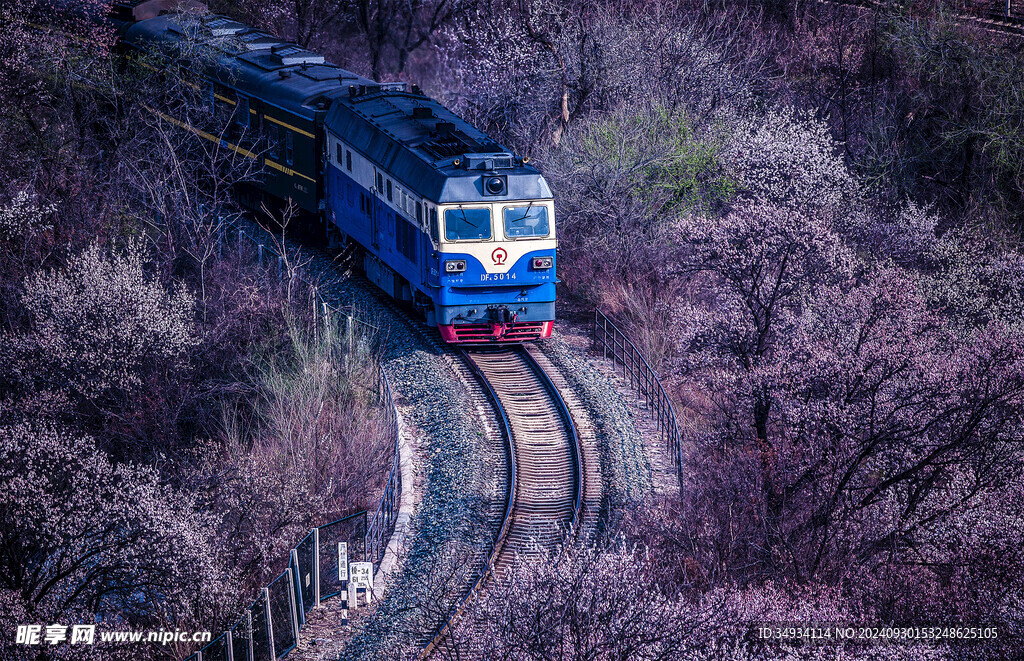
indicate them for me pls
(495, 185)
(543, 262)
(455, 266)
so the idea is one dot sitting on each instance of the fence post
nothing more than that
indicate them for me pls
(316, 567)
(248, 629)
(231, 645)
(280, 264)
(293, 604)
(270, 624)
(367, 541)
(604, 339)
(327, 321)
(300, 614)
(348, 332)
(260, 254)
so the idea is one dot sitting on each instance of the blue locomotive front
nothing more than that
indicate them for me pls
(450, 221)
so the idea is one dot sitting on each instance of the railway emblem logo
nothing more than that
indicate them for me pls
(499, 256)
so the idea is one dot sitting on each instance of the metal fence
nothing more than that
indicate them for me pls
(1001, 14)
(382, 523)
(614, 344)
(993, 9)
(270, 627)
(270, 257)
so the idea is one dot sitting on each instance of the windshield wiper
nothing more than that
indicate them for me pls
(527, 212)
(467, 220)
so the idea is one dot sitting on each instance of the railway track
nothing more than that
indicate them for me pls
(995, 17)
(546, 475)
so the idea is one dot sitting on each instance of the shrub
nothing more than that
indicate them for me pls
(83, 538)
(102, 324)
(792, 161)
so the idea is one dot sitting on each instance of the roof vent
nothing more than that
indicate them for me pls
(221, 26)
(420, 112)
(290, 55)
(498, 161)
(444, 128)
(258, 41)
(360, 90)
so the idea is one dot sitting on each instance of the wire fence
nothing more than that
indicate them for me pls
(270, 257)
(270, 627)
(1007, 15)
(993, 9)
(614, 344)
(382, 523)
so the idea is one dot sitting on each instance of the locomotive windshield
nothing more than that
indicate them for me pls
(461, 224)
(531, 220)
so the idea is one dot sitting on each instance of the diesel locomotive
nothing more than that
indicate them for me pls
(446, 219)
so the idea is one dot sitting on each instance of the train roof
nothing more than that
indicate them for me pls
(428, 147)
(408, 134)
(250, 60)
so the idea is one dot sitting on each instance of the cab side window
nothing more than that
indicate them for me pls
(433, 225)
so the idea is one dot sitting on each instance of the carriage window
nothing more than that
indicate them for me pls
(242, 111)
(526, 221)
(389, 190)
(419, 213)
(337, 152)
(380, 184)
(348, 160)
(289, 147)
(461, 224)
(273, 141)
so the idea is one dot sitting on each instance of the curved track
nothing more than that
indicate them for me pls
(547, 484)
(545, 471)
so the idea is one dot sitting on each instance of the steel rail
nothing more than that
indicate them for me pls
(510, 490)
(574, 439)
